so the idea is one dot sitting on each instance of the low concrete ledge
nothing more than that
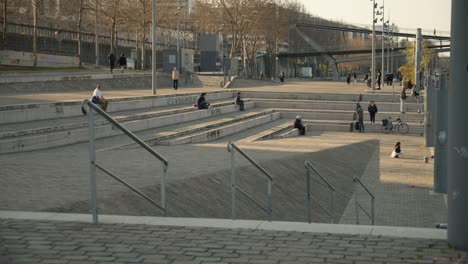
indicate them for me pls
(388, 231)
(33, 112)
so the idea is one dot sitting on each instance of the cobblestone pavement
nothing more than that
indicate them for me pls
(26, 241)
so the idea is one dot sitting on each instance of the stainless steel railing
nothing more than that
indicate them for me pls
(358, 182)
(93, 165)
(308, 165)
(231, 147)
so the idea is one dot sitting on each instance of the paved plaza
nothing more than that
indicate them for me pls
(406, 207)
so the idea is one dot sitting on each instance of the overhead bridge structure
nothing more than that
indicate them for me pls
(330, 56)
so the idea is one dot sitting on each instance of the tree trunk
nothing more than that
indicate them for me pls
(80, 17)
(143, 51)
(34, 11)
(97, 36)
(5, 13)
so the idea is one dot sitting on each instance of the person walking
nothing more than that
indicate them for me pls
(396, 153)
(372, 109)
(122, 62)
(379, 79)
(99, 99)
(403, 97)
(111, 59)
(348, 79)
(355, 78)
(360, 115)
(175, 78)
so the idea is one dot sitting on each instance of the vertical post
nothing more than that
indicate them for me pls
(96, 33)
(417, 74)
(309, 217)
(233, 183)
(441, 134)
(92, 166)
(270, 201)
(178, 47)
(428, 113)
(373, 49)
(356, 203)
(457, 138)
(382, 72)
(153, 50)
(332, 206)
(372, 210)
(163, 189)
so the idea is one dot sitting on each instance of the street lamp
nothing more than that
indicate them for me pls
(374, 20)
(153, 49)
(222, 52)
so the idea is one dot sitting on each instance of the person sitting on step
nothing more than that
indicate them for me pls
(239, 101)
(202, 103)
(299, 125)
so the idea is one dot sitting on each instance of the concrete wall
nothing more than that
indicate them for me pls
(15, 58)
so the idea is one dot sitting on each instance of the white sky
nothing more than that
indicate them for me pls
(425, 14)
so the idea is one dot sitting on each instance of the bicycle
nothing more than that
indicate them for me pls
(388, 126)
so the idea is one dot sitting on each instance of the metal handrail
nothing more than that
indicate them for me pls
(230, 147)
(308, 165)
(371, 215)
(92, 158)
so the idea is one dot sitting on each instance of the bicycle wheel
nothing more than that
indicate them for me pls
(386, 129)
(403, 128)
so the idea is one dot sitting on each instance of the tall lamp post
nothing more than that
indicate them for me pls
(382, 72)
(153, 50)
(374, 20)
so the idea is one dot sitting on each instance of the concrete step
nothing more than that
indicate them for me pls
(345, 126)
(225, 130)
(33, 112)
(346, 115)
(66, 137)
(330, 105)
(57, 125)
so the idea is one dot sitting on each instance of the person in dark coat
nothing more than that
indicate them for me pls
(111, 59)
(379, 79)
(360, 115)
(348, 79)
(202, 103)
(122, 62)
(299, 125)
(372, 109)
(239, 101)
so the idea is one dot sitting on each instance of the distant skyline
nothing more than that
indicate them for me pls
(425, 14)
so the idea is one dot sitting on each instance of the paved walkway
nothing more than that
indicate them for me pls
(71, 239)
(402, 188)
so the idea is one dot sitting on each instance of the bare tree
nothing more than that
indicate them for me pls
(35, 7)
(5, 15)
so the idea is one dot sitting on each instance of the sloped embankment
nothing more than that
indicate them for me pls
(208, 195)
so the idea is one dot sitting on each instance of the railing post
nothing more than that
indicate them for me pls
(233, 184)
(356, 201)
(372, 210)
(92, 166)
(270, 201)
(309, 217)
(163, 189)
(333, 206)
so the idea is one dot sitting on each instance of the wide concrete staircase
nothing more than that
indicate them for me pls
(172, 120)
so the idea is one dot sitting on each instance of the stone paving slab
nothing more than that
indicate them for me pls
(46, 241)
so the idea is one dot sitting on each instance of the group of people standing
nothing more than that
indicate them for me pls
(371, 108)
